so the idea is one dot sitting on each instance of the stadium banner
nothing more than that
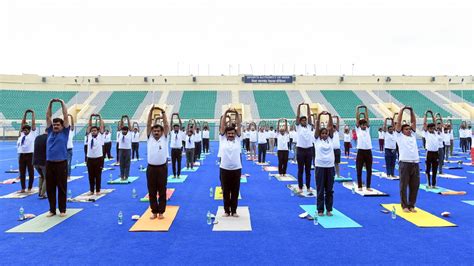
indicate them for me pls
(268, 79)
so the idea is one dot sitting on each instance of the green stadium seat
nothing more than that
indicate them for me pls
(273, 104)
(344, 102)
(467, 95)
(122, 103)
(418, 101)
(198, 105)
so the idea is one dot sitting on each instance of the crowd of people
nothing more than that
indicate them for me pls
(314, 140)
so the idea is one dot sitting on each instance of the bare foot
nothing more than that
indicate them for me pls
(329, 213)
(98, 193)
(369, 189)
(62, 214)
(50, 214)
(22, 191)
(29, 190)
(161, 216)
(153, 216)
(412, 210)
(406, 210)
(320, 213)
(226, 215)
(90, 193)
(235, 215)
(300, 191)
(360, 189)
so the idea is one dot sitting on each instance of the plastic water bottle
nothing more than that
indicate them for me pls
(211, 192)
(269, 176)
(77, 162)
(69, 193)
(315, 220)
(293, 192)
(209, 219)
(111, 178)
(134, 193)
(21, 215)
(353, 187)
(141, 167)
(120, 218)
(217, 162)
(394, 213)
(349, 175)
(11, 167)
(396, 166)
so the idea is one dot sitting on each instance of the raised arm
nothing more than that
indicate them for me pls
(65, 114)
(384, 128)
(413, 119)
(317, 125)
(89, 125)
(33, 120)
(357, 115)
(398, 126)
(102, 126)
(23, 122)
(308, 115)
(425, 122)
(222, 125)
(298, 114)
(71, 121)
(238, 123)
(367, 116)
(49, 113)
(149, 121)
(337, 122)
(330, 125)
(166, 125)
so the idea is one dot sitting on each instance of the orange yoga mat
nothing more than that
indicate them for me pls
(169, 193)
(145, 224)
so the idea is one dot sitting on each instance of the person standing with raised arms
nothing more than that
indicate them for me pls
(25, 149)
(304, 144)
(364, 147)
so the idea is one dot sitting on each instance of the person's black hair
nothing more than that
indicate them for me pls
(124, 128)
(322, 129)
(26, 127)
(389, 127)
(158, 126)
(96, 127)
(176, 125)
(362, 122)
(227, 129)
(404, 126)
(58, 120)
(431, 125)
(303, 117)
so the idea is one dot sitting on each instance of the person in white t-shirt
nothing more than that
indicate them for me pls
(364, 148)
(253, 139)
(107, 145)
(271, 139)
(197, 145)
(70, 146)
(381, 139)
(246, 141)
(205, 139)
(282, 148)
(95, 157)
(408, 160)
(292, 143)
(305, 148)
(157, 159)
(190, 146)
(135, 141)
(336, 145)
(25, 149)
(176, 144)
(125, 148)
(390, 146)
(324, 164)
(463, 135)
(231, 164)
(432, 148)
(262, 144)
(447, 141)
(347, 142)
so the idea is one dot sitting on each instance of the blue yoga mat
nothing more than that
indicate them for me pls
(342, 179)
(470, 202)
(354, 167)
(181, 179)
(119, 181)
(189, 169)
(434, 190)
(338, 220)
(243, 180)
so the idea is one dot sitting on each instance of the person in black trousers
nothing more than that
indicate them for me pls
(176, 143)
(25, 148)
(95, 157)
(262, 145)
(39, 162)
(107, 145)
(364, 148)
(282, 147)
(135, 141)
(157, 169)
(205, 139)
(56, 158)
(305, 148)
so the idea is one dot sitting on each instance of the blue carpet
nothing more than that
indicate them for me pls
(279, 236)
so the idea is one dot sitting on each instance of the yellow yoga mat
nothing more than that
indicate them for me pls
(145, 224)
(420, 218)
(218, 194)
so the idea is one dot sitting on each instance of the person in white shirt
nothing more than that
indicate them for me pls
(432, 147)
(176, 145)
(409, 161)
(25, 149)
(190, 146)
(197, 143)
(347, 142)
(463, 134)
(447, 141)
(390, 145)
(305, 148)
(253, 138)
(157, 168)
(205, 139)
(271, 140)
(440, 131)
(451, 137)
(107, 145)
(469, 136)
(125, 148)
(282, 148)
(70, 146)
(231, 164)
(336, 146)
(381, 139)
(246, 141)
(364, 148)
(262, 144)
(95, 157)
(292, 143)
(135, 141)
(117, 136)
(324, 165)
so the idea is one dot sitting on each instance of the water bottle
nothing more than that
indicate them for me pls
(111, 178)
(134, 193)
(396, 166)
(217, 162)
(293, 192)
(11, 168)
(269, 176)
(141, 167)
(120, 218)
(209, 219)
(69, 193)
(21, 216)
(211, 192)
(394, 213)
(77, 163)
(315, 221)
(353, 187)
(349, 175)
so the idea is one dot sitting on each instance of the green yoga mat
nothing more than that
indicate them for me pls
(338, 220)
(342, 179)
(189, 169)
(243, 180)
(434, 190)
(470, 202)
(41, 223)
(363, 169)
(181, 179)
(118, 181)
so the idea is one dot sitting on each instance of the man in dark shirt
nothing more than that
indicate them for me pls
(56, 158)
(39, 162)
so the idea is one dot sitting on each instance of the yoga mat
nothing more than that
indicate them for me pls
(436, 190)
(384, 175)
(471, 183)
(74, 177)
(262, 164)
(142, 169)
(305, 191)
(145, 224)
(470, 202)
(243, 179)
(13, 171)
(85, 197)
(169, 193)
(10, 181)
(420, 218)
(103, 169)
(185, 169)
(136, 160)
(18, 195)
(378, 157)
(342, 179)
(364, 192)
(78, 165)
(363, 169)
(218, 194)
(338, 220)
(452, 167)
(343, 162)
(181, 179)
(270, 168)
(241, 223)
(450, 176)
(41, 223)
(470, 172)
(284, 178)
(119, 181)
